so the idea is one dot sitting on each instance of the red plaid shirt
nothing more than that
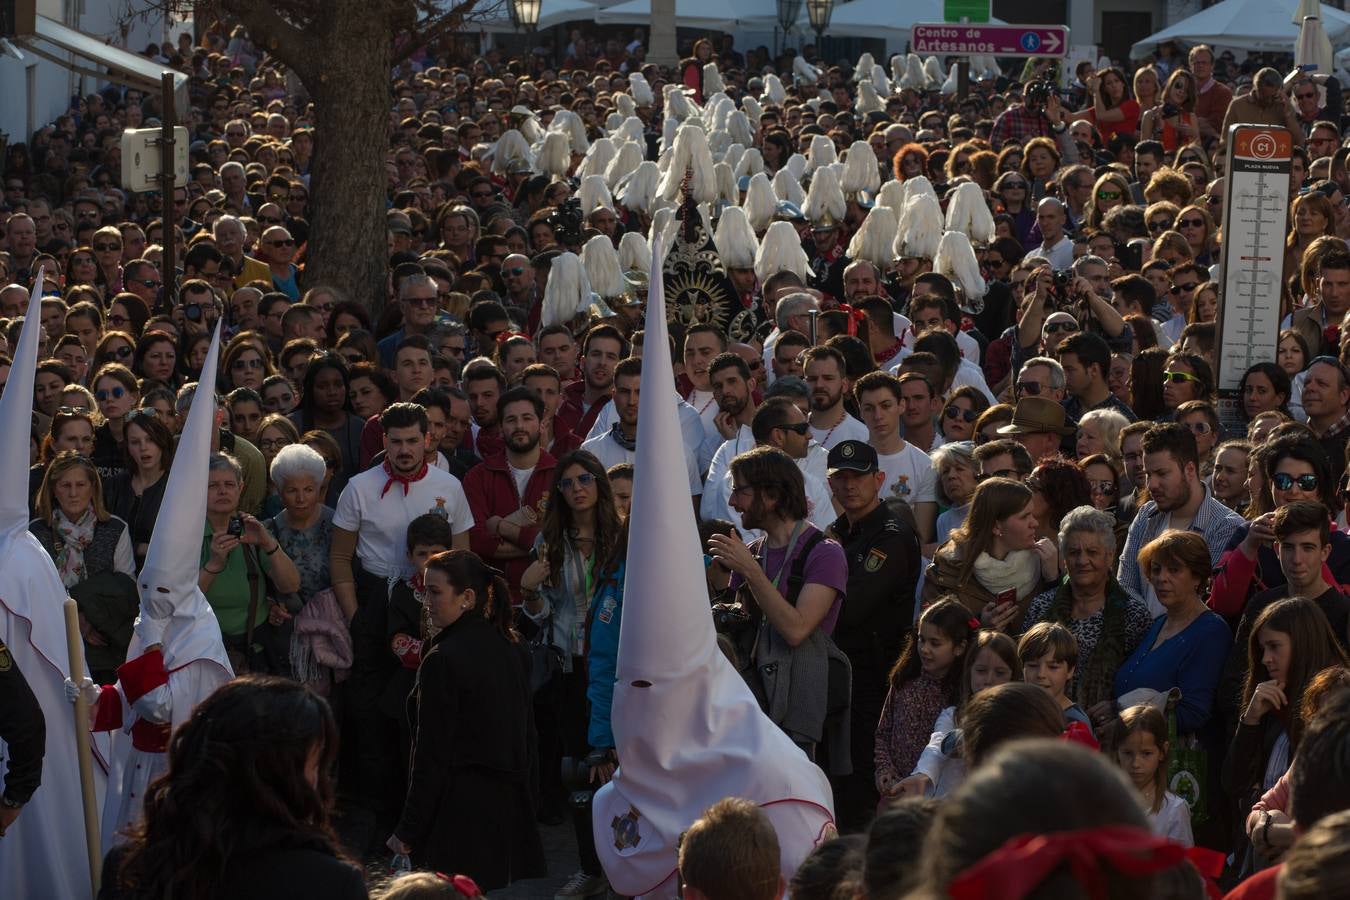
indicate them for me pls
(1017, 124)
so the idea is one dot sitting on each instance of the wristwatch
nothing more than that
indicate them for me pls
(1058, 127)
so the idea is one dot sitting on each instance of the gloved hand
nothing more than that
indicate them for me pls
(149, 630)
(84, 686)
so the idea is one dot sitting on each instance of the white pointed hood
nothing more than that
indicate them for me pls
(735, 239)
(641, 90)
(914, 78)
(512, 152)
(687, 729)
(825, 201)
(932, 73)
(868, 99)
(554, 158)
(16, 414)
(168, 587)
(733, 156)
(781, 249)
(752, 110)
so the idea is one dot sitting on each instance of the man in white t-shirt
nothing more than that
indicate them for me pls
(734, 390)
(827, 375)
(702, 343)
(909, 471)
(619, 443)
(919, 406)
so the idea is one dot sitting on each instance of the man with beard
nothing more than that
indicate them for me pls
(733, 391)
(619, 443)
(583, 400)
(508, 492)
(1177, 499)
(827, 375)
(484, 384)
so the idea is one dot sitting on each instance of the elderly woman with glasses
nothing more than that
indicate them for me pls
(92, 552)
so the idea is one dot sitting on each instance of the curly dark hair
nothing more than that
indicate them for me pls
(1063, 485)
(236, 771)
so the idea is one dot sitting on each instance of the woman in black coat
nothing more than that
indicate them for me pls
(469, 806)
(243, 809)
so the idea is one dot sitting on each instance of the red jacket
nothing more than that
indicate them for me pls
(491, 491)
(570, 408)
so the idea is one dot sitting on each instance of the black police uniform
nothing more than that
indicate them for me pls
(24, 731)
(884, 562)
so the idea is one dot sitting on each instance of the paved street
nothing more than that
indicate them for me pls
(560, 849)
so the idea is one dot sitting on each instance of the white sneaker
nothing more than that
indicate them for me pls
(582, 885)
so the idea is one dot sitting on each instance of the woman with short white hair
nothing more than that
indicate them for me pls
(955, 467)
(304, 527)
(1099, 432)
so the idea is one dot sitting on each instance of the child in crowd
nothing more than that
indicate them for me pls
(1049, 655)
(1141, 752)
(991, 660)
(409, 626)
(925, 680)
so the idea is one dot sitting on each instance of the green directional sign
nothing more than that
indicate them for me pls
(965, 10)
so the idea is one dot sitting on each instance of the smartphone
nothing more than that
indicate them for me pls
(1006, 597)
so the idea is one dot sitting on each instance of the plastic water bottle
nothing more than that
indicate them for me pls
(401, 864)
(1312, 52)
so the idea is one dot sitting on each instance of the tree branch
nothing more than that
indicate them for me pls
(431, 28)
(274, 33)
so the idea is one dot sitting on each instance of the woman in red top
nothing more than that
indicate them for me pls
(691, 69)
(1113, 110)
(1173, 122)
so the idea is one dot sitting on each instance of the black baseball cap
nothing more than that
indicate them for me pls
(852, 456)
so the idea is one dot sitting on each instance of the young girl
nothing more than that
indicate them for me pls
(923, 682)
(1141, 751)
(991, 660)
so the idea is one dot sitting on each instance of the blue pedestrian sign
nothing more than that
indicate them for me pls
(1031, 42)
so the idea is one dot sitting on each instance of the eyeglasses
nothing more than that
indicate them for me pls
(247, 364)
(997, 473)
(1283, 481)
(1158, 225)
(106, 248)
(147, 282)
(270, 220)
(1105, 487)
(1014, 185)
(122, 352)
(116, 393)
(1108, 195)
(956, 412)
(285, 242)
(1031, 388)
(585, 479)
(72, 411)
(1211, 200)
(1191, 223)
(1057, 327)
(1199, 427)
(1186, 288)
(1303, 95)
(271, 444)
(514, 271)
(800, 428)
(1178, 377)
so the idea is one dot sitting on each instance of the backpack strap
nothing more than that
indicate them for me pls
(797, 577)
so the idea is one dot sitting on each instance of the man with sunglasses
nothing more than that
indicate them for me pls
(522, 288)
(277, 249)
(141, 277)
(418, 299)
(1185, 278)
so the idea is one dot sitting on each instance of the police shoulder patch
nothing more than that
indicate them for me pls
(874, 560)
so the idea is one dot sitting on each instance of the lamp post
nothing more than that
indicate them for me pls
(788, 10)
(524, 13)
(819, 12)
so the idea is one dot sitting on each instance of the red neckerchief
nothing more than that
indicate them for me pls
(405, 480)
(890, 352)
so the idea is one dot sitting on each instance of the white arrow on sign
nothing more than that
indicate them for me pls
(1052, 41)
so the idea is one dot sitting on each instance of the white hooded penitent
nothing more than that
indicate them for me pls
(687, 729)
(43, 855)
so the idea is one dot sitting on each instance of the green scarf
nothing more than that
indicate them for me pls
(1096, 680)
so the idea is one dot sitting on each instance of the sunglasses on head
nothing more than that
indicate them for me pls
(954, 412)
(1283, 481)
(585, 479)
(1178, 377)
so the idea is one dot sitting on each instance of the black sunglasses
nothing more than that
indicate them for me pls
(955, 412)
(796, 427)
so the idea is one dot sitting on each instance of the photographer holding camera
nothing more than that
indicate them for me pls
(1172, 122)
(1040, 114)
(240, 558)
(1067, 291)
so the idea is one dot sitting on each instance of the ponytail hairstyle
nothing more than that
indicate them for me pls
(987, 639)
(949, 616)
(466, 571)
(1148, 720)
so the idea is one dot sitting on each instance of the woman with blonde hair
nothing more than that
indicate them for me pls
(1310, 217)
(1171, 247)
(1111, 190)
(1195, 224)
(1099, 432)
(1147, 87)
(1172, 121)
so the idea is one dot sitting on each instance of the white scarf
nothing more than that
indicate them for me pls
(1021, 570)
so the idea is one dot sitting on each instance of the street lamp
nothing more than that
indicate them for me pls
(788, 10)
(819, 11)
(524, 13)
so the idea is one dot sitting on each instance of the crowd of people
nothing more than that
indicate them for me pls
(947, 372)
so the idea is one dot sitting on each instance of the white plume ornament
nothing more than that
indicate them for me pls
(861, 172)
(751, 163)
(665, 225)
(726, 184)
(774, 91)
(532, 130)
(919, 229)
(567, 291)
(597, 158)
(897, 69)
(752, 110)
(932, 73)
(555, 157)
(804, 72)
(914, 77)
(825, 200)
(718, 142)
(631, 130)
(669, 128)
(603, 271)
(820, 153)
(949, 85)
(796, 166)
(738, 127)
(640, 190)
(892, 194)
(864, 67)
(678, 103)
(712, 79)
(968, 213)
(880, 81)
(626, 160)
(635, 254)
(511, 148)
(570, 124)
(690, 154)
(760, 202)
(625, 105)
(919, 184)
(733, 156)
(780, 250)
(955, 259)
(593, 194)
(788, 188)
(735, 239)
(614, 119)
(875, 240)
(640, 90)
(868, 101)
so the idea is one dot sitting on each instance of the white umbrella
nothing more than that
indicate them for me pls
(1253, 25)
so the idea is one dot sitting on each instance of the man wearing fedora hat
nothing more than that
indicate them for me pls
(1039, 425)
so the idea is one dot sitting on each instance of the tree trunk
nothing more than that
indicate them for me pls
(348, 246)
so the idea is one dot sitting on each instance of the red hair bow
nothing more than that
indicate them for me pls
(462, 883)
(973, 623)
(855, 316)
(506, 335)
(1016, 869)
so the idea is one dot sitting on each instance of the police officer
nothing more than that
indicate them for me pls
(883, 571)
(24, 731)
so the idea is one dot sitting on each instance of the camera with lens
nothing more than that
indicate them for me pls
(1038, 93)
(1170, 110)
(730, 619)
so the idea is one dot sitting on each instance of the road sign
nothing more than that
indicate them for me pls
(996, 40)
(1256, 204)
(141, 158)
(965, 10)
